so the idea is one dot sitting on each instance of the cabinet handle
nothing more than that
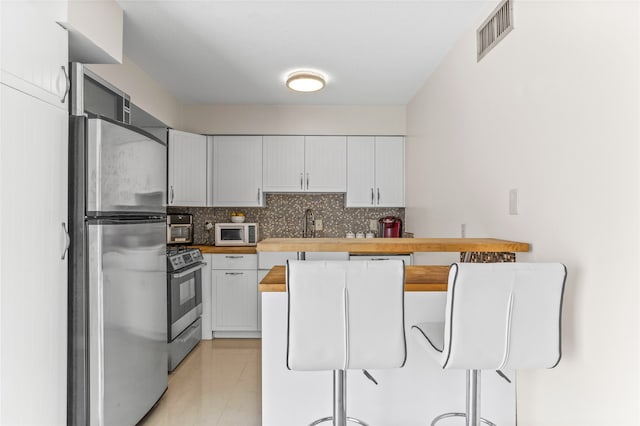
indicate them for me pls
(307, 181)
(234, 273)
(301, 181)
(67, 83)
(171, 195)
(234, 257)
(378, 195)
(66, 233)
(372, 196)
(258, 196)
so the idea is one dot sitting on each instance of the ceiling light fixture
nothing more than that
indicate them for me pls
(305, 81)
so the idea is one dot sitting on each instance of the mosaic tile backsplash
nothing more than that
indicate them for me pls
(284, 214)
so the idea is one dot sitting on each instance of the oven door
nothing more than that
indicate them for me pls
(184, 296)
(179, 234)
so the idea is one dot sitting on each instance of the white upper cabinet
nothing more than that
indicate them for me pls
(237, 171)
(375, 171)
(304, 163)
(34, 49)
(187, 185)
(283, 163)
(325, 159)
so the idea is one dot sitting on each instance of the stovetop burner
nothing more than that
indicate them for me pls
(172, 250)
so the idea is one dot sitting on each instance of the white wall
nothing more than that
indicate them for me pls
(552, 111)
(294, 119)
(96, 30)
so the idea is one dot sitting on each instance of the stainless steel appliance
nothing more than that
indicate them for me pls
(93, 95)
(179, 229)
(117, 273)
(184, 302)
(390, 227)
(236, 234)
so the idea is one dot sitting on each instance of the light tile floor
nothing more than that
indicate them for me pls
(218, 384)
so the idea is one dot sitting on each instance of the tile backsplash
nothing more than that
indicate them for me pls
(283, 216)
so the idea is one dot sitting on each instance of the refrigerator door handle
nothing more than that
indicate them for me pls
(68, 243)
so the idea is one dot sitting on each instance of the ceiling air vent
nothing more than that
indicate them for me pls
(495, 28)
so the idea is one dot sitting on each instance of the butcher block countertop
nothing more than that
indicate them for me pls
(417, 277)
(392, 245)
(226, 250)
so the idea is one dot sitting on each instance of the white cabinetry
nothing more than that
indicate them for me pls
(33, 299)
(33, 53)
(304, 164)
(187, 169)
(237, 171)
(235, 295)
(408, 258)
(34, 127)
(375, 171)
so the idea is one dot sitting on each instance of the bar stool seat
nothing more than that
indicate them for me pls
(345, 315)
(498, 316)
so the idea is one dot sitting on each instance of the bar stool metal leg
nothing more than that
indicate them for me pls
(472, 415)
(339, 402)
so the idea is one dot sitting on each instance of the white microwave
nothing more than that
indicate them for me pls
(236, 234)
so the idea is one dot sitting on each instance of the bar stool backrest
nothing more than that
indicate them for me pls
(345, 315)
(503, 316)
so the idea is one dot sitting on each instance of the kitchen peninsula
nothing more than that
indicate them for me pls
(412, 395)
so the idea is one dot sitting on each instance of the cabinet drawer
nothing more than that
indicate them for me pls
(408, 258)
(234, 261)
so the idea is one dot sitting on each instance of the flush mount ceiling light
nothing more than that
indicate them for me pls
(305, 81)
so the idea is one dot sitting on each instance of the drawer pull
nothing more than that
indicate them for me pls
(234, 273)
(234, 257)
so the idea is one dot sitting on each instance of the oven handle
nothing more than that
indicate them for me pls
(189, 271)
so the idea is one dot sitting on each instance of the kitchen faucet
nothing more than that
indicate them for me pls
(307, 220)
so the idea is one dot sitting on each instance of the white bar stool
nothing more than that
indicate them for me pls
(498, 316)
(345, 315)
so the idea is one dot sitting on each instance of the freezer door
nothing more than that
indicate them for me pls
(126, 170)
(127, 320)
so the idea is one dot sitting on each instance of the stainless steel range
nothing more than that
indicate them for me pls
(184, 301)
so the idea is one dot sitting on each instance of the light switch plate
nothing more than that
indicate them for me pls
(373, 225)
(318, 224)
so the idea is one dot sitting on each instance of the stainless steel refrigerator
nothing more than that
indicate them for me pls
(117, 272)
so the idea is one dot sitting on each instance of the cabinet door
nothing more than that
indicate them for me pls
(187, 169)
(33, 299)
(389, 171)
(325, 159)
(283, 163)
(34, 49)
(237, 171)
(235, 293)
(360, 171)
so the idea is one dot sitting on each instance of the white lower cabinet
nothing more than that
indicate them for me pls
(408, 258)
(234, 292)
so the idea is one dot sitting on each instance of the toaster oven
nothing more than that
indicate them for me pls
(179, 229)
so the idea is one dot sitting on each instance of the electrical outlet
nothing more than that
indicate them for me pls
(513, 201)
(373, 225)
(318, 224)
(208, 225)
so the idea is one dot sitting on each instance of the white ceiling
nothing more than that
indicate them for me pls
(239, 52)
